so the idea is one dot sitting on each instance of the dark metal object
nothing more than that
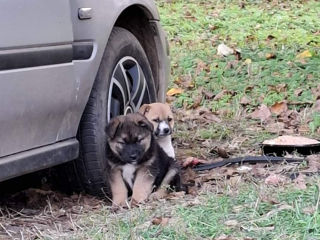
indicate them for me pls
(281, 150)
(246, 159)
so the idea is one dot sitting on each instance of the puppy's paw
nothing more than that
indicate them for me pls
(160, 194)
(116, 206)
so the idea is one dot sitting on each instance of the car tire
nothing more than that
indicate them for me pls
(112, 95)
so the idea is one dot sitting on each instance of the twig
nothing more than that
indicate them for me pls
(6, 230)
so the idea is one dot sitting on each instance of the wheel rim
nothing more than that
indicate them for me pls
(128, 88)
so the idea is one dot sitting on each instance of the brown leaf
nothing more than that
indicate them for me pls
(207, 94)
(248, 88)
(309, 210)
(270, 37)
(270, 56)
(282, 87)
(263, 113)
(245, 100)
(201, 66)
(222, 93)
(196, 102)
(221, 152)
(160, 221)
(232, 64)
(316, 92)
(174, 91)
(279, 107)
(298, 92)
(274, 179)
(185, 81)
(316, 106)
(211, 117)
(300, 182)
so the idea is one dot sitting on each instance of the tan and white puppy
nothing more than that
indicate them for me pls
(161, 116)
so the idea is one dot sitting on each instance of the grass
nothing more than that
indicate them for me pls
(285, 29)
(245, 211)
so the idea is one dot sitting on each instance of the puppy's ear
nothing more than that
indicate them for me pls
(112, 127)
(144, 109)
(146, 124)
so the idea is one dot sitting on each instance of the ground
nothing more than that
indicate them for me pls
(225, 106)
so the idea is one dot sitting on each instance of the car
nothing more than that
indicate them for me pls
(66, 68)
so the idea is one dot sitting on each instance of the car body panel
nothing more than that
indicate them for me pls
(43, 105)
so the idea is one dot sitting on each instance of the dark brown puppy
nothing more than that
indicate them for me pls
(138, 165)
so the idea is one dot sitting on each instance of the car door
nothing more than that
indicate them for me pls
(38, 88)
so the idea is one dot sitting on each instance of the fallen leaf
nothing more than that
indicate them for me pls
(316, 92)
(160, 221)
(185, 81)
(270, 37)
(279, 107)
(316, 106)
(245, 100)
(304, 54)
(221, 94)
(174, 91)
(196, 102)
(281, 87)
(211, 117)
(298, 92)
(224, 50)
(208, 94)
(263, 113)
(248, 61)
(300, 182)
(248, 88)
(270, 56)
(309, 210)
(201, 66)
(274, 179)
(232, 64)
(221, 152)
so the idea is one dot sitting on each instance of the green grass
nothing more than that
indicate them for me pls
(252, 209)
(196, 28)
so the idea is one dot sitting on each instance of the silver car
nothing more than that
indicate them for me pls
(66, 68)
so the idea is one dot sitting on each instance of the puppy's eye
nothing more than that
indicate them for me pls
(139, 140)
(121, 142)
(169, 119)
(157, 120)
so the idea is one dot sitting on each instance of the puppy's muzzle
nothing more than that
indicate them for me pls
(163, 129)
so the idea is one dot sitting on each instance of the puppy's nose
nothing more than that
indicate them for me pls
(166, 130)
(133, 156)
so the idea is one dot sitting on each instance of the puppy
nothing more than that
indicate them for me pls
(138, 165)
(160, 115)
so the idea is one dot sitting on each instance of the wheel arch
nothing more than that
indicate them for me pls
(140, 21)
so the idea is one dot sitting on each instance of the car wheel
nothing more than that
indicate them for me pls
(124, 82)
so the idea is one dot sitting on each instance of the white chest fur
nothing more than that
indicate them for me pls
(166, 144)
(128, 171)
